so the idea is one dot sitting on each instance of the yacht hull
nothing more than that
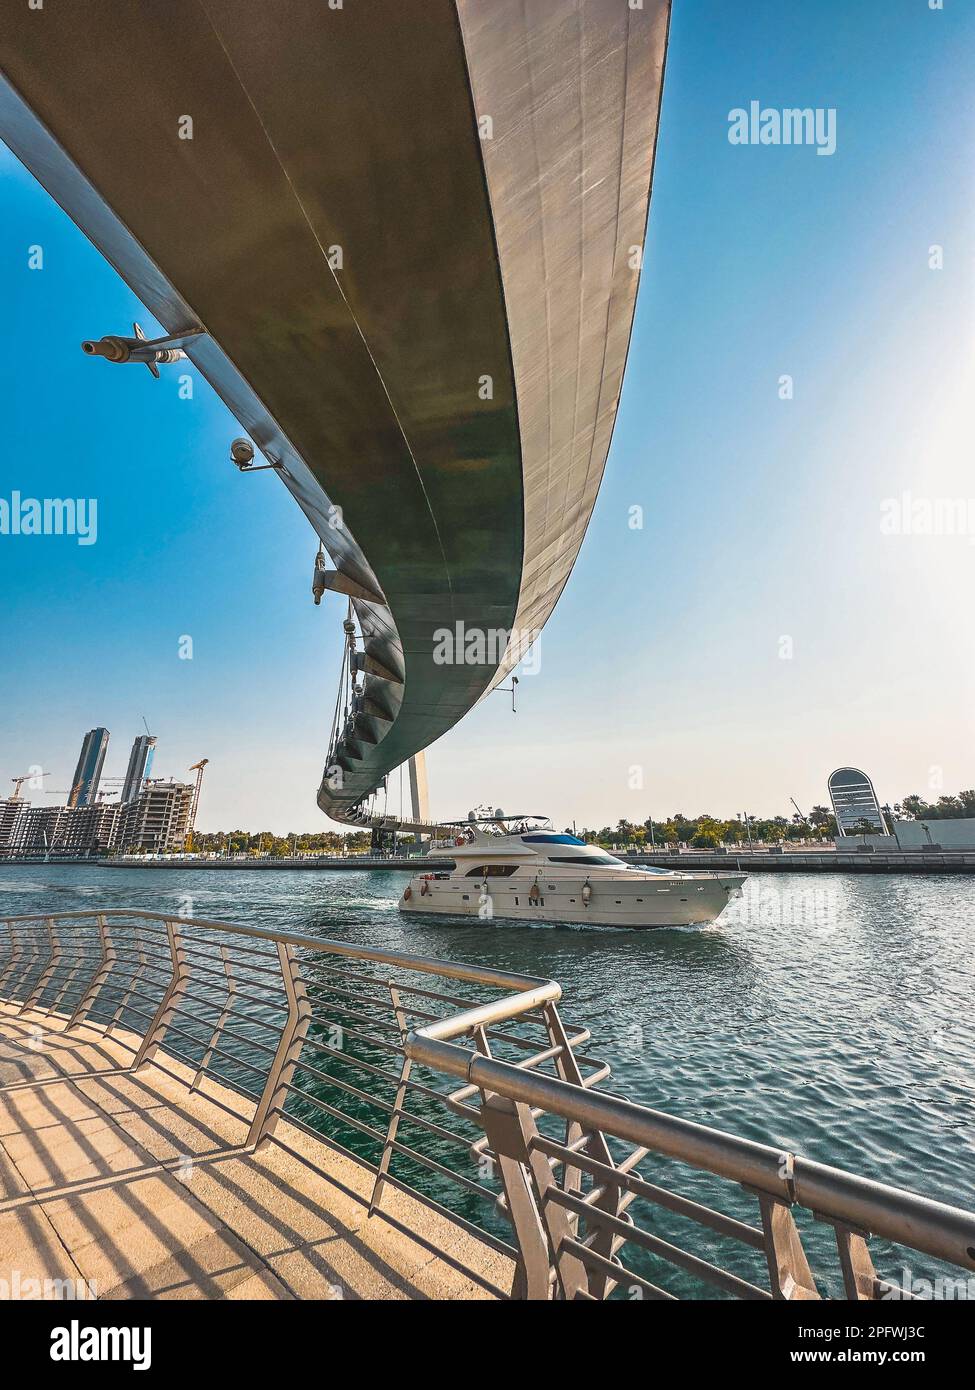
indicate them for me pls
(640, 905)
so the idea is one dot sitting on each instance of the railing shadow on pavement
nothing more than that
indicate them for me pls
(484, 1106)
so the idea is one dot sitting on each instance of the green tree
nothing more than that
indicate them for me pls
(705, 838)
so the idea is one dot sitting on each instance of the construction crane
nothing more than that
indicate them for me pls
(194, 804)
(60, 791)
(27, 777)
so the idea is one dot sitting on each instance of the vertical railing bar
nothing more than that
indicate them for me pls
(539, 1226)
(293, 1032)
(860, 1280)
(605, 1242)
(789, 1274)
(398, 1104)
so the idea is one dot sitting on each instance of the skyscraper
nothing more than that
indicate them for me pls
(88, 773)
(140, 763)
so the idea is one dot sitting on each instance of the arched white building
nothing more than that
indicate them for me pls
(855, 801)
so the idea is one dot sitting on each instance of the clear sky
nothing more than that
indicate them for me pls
(766, 623)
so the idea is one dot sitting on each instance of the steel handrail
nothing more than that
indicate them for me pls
(832, 1194)
(861, 1205)
(425, 965)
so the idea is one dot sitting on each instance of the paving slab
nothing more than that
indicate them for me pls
(140, 1185)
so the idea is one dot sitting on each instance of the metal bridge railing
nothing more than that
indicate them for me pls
(365, 1049)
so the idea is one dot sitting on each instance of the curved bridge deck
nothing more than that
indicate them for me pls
(422, 322)
(129, 1184)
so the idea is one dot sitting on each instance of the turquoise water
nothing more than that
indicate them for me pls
(829, 1014)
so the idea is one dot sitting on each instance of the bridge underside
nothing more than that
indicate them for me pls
(411, 232)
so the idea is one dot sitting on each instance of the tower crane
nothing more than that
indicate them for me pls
(27, 777)
(60, 791)
(194, 804)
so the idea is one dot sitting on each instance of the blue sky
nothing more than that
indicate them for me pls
(663, 683)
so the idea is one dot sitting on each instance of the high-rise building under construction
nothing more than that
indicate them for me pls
(87, 774)
(140, 765)
(156, 820)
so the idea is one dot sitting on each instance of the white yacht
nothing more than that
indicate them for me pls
(531, 873)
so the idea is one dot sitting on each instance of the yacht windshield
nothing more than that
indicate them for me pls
(596, 857)
(552, 840)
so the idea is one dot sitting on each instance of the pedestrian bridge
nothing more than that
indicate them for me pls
(402, 240)
(194, 1109)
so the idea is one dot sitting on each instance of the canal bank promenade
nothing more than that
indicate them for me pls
(190, 1108)
(117, 1184)
(757, 860)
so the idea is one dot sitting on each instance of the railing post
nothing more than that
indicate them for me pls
(567, 1068)
(161, 1019)
(860, 1279)
(289, 1046)
(788, 1268)
(530, 1182)
(16, 951)
(509, 1126)
(398, 1103)
(605, 1242)
(102, 972)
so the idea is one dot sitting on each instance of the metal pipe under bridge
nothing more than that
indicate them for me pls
(196, 1109)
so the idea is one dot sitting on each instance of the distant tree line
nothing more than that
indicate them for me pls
(279, 846)
(960, 807)
(702, 832)
(707, 832)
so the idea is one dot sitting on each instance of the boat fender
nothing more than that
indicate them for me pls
(425, 890)
(408, 894)
(586, 892)
(534, 893)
